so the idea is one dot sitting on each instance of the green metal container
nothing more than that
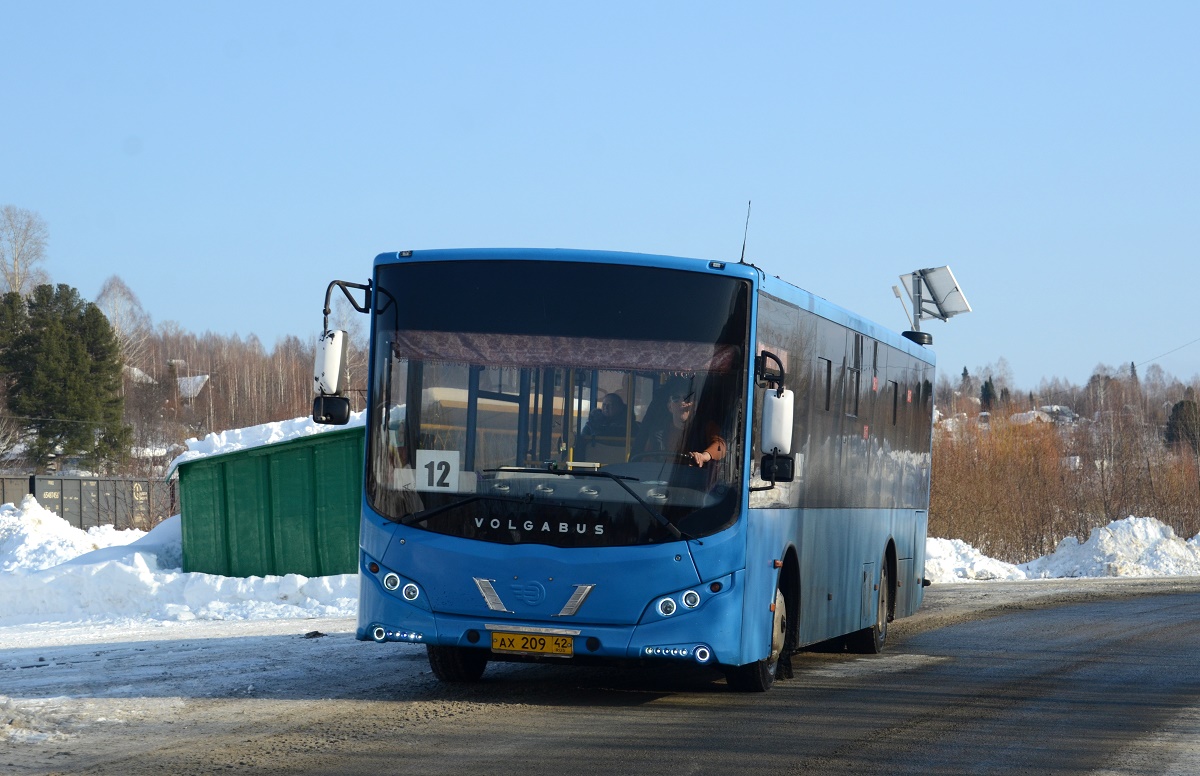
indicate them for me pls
(286, 508)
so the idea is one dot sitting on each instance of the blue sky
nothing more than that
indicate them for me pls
(227, 160)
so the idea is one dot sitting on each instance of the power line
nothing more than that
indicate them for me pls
(1169, 352)
(53, 420)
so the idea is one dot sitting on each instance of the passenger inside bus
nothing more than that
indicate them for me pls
(603, 438)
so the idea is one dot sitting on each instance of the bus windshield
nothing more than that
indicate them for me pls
(560, 403)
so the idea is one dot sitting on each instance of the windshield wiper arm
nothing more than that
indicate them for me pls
(617, 478)
(422, 516)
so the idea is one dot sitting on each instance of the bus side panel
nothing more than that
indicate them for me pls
(863, 411)
(833, 547)
(836, 547)
(911, 570)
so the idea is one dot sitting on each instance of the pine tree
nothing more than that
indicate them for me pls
(987, 396)
(62, 364)
(1183, 427)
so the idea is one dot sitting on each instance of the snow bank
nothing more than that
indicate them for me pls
(34, 538)
(51, 571)
(1133, 547)
(951, 560)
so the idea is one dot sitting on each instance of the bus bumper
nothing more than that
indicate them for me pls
(706, 632)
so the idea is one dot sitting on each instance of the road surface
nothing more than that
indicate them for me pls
(1061, 677)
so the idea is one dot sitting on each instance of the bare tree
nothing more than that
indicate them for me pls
(10, 434)
(128, 320)
(23, 238)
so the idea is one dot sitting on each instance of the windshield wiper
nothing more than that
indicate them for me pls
(420, 517)
(617, 478)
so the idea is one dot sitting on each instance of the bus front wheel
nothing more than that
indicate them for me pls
(760, 675)
(457, 664)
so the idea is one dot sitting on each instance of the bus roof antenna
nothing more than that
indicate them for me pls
(745, 234)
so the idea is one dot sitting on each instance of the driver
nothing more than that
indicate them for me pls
(678, 430)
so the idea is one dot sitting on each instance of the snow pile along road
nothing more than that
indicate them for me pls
(952, 560)
(33, 538)
(1133, 547)
(54, 572)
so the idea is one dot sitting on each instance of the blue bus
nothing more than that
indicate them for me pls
(599, 456)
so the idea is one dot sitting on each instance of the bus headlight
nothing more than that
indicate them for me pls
(691, 599)
(666, 606)
(410, 592)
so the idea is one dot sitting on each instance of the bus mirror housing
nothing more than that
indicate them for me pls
(777, 422)
(329, 368)
(775, 439)
(778, 468)
(331, 410)
(329, 378)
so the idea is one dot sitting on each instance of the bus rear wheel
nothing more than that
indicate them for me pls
(870, 641)
(760, 675)
(457, 664)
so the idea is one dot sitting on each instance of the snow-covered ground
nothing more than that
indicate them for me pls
(1133, 547)
(123, 593)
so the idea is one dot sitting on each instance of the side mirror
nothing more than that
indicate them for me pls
(777, 422)
(331, 410)
(329, 368)
(776, 437)
(329, 379)
(778, 468)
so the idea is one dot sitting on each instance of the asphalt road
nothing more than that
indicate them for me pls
(1048, 678)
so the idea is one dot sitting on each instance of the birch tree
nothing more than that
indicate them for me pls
(23, 238)
(129, 322)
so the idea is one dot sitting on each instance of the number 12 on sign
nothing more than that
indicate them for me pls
(437, 470)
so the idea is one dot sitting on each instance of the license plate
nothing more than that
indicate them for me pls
(533, 644)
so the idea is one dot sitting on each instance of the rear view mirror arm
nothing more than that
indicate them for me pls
(346, 285)
(761, 373)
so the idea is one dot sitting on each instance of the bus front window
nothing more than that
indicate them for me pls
(559, 436)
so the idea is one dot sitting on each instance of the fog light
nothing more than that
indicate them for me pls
(410, 592)
(666, 607)
(391, 581)
(691, 599)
